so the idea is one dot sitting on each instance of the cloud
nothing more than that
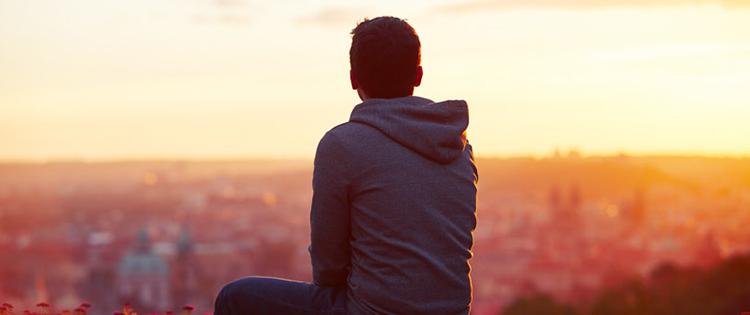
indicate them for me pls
(226, 12)
(230, 3)
(677, 51)
(336, 17)
(225, 19)
(486, 5)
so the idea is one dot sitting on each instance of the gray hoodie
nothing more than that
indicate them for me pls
(394, 208)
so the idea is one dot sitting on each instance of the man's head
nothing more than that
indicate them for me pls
(385, 57)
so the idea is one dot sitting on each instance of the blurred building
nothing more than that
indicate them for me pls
(143, 277)
(185, 270)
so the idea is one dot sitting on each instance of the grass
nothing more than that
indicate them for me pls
(43, 308)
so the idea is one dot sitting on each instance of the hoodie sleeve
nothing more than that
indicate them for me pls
(329, 215)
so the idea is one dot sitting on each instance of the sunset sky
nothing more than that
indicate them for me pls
(106, 79)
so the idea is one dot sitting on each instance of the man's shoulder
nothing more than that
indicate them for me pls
(349, 139)
(349, 132)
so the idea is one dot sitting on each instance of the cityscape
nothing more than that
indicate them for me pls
(162, 234)
(153, 151)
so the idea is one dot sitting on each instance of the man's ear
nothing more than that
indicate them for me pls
(353, 80)
(418, 76)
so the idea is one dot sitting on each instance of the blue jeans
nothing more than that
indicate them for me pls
(270, 296)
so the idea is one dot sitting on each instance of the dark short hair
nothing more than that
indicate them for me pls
(384, 56)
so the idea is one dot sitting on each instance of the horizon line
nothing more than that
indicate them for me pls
(269, 158)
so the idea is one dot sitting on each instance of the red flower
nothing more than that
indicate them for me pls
(42, 304)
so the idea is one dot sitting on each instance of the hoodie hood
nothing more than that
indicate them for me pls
(436, 131)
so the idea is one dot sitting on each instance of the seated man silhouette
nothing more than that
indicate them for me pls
(394, 198)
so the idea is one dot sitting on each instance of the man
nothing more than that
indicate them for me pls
(394, 198)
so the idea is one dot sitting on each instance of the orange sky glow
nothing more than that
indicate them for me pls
(206, 79)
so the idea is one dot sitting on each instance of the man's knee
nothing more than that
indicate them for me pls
(237, 296)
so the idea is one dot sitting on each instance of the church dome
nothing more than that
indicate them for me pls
(142, 261)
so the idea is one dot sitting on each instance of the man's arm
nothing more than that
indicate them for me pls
(329, 215)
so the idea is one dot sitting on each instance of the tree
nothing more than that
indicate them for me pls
(538, 305)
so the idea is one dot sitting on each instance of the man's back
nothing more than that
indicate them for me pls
(410, 185)
(394, 198)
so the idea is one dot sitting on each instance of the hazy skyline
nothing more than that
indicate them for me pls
(89, 79)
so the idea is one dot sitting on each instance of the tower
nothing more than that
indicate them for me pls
(143, 277)
(185, 270)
